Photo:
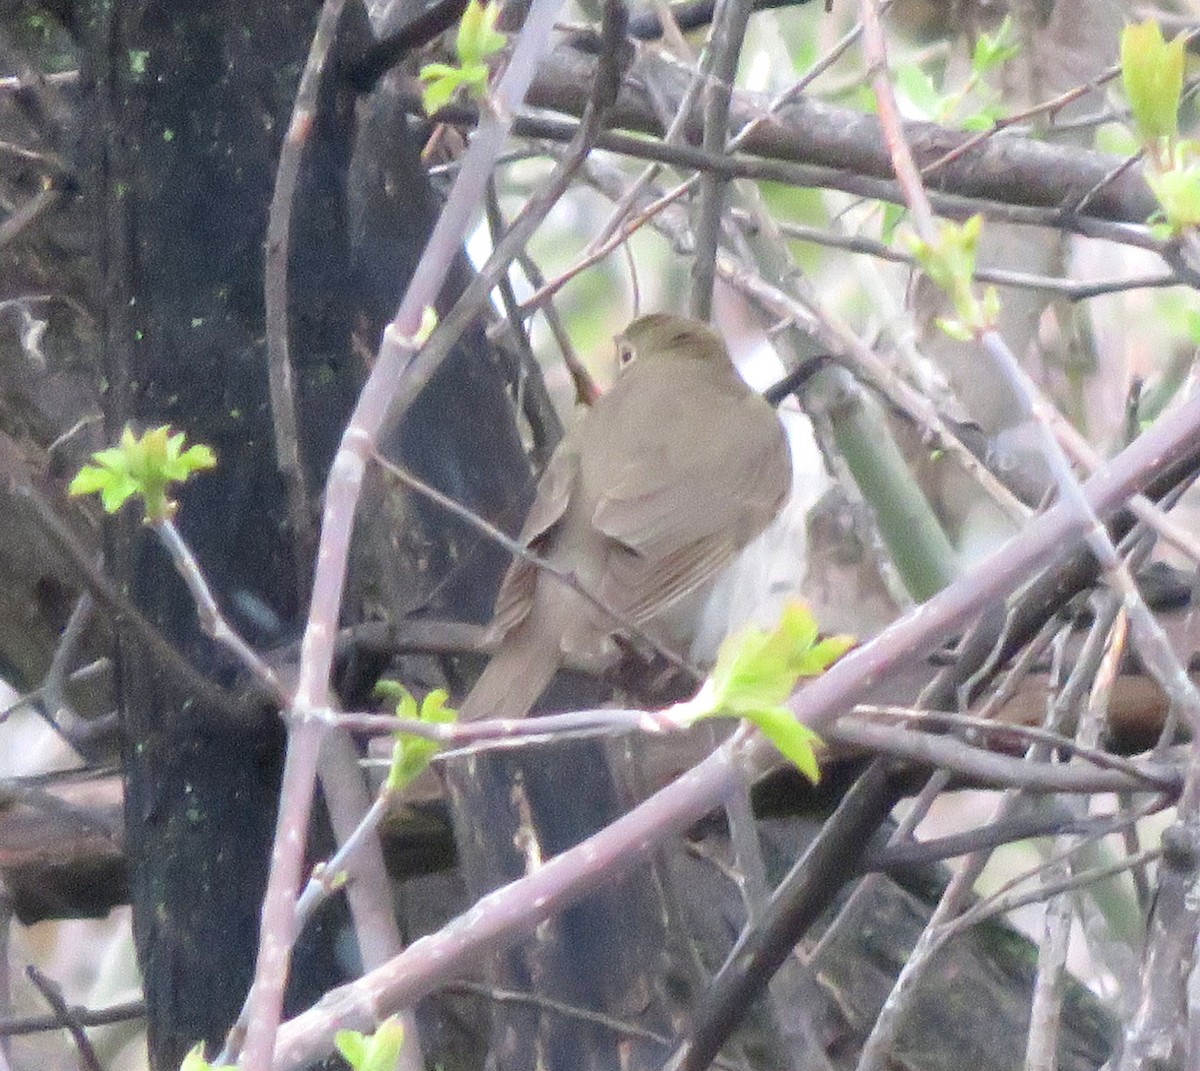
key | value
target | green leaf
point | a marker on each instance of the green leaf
(984, 119)
(893, 216)
(372, 1052)
(1161, 231)
(794, 740)
(432, 71)
(477, 39)
(442, 83)
(757, 670)
(955, 329)
(990, 308)
(950, 264)
(429, 321)
(477, 35)
(1152, 71)
(352, 1044)
(918, 87)
(146, 467)
(1178, 193)
(411, 754)
(993, 49)
(1116, 139)
(194, 1060)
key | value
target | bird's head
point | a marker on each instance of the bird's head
(663, 335)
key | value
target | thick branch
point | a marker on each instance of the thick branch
(1010, 168)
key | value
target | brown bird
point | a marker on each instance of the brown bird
(646, 499)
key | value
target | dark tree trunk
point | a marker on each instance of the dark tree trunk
(193, 98)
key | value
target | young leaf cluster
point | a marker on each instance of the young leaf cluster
(477, 39)
(950, 264)
(372, 1052)
(1152, 71)
(412, 754)
(991, 50)
(144, 466)
(756, 672)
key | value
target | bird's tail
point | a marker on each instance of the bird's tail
(514, 679)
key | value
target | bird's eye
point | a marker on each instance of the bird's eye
(625, 354)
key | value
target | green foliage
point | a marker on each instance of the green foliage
(412, 754)
(476, 41)
(429, 321)
(372, 1052)
(917, 85)
(1115, 138)
(478, 37)
(893, 216)
(195, 1061)
(145, 466)
(1176, 318)
(950, 264)
(991, 50)
(1152, 71)
(994, 49)
(1178, 193)
(756, 672)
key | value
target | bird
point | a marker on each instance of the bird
(646, 499)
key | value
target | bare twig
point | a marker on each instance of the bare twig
(281, 377)
(125, 616)
(1002, 905)
(1001, 771)
(212, 621)
(519, 550)
(987, 727)
(52, 994)
(1070, 289)
(571, 1011)
(719, 67)
(17, 1026)
(28, 214)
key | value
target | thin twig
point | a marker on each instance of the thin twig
(52, 994)
(519, 550)
(280, 375)
(570, 1011)
(1070, 289)
(586, 391)
(1002, 903)
(212, 621)
(125, 616)
(988, 727)
(28, 214)
(719, 67)
(1008, 829)
(1001, 771)
(16, 1026)
(859, 183)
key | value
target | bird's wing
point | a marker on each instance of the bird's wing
(677, 517)
(674, 494)
(644, 588)
(553, 494)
